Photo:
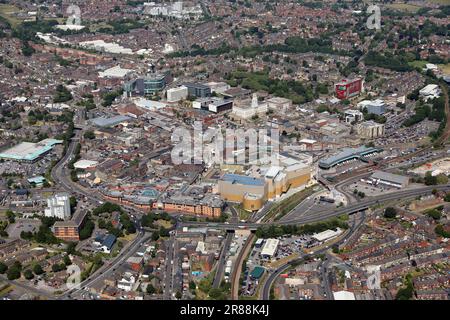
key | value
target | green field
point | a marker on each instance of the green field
(441, 2)
(7, 11)
(445, 68)
(418, 64)
(404, 7)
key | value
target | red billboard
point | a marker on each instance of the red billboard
(348, 88)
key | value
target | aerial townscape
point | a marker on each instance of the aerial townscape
(224, 150)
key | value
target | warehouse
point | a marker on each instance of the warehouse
(327, 235)
(109, 122)
(270, 248)
(28, 151)
(389, 179)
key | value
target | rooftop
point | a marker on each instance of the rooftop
(109, 122)
(390, 177)
(29, 151)
(239, 179)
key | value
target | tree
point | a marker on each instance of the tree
(390, 213)
(28, 274)
(71, 248)
(155, 236)
(405, 293)
(89, 135)
(11, 217)
(67, 260)
(192, 285)
(150, 289)
(433, 213)
(429, 179)
(58, 267)
(87, 229)
(215, 294)
(73, 203)
(447, 197)
(37, 269)
(13, 272)
(62, 94)
(3, 268)
(440, 231)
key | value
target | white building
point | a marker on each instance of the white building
(377, 106)
(248, 111)
(270, 248)
(177, 94)
(85, 164)
(58, 206)
(115, 72)
(353, 116)
(218, 87)
(344, 295)
(127, 282)
(370, 129)
(431, 91)
(100, 45)
(327, 235)
(279, 104)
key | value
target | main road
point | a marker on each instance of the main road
(329, 213)
(60, 177)
(274, 275)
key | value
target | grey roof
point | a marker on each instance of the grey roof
(109, 122)
(346, 154)
(386, 176)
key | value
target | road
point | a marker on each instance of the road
(168, 280)
(221, 263)
(329, 213)
(237, 269)
(108, 268)
(27, 288)
(274, 275)
(60, 177)
(225, 249)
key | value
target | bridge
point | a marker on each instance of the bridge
(324, 215)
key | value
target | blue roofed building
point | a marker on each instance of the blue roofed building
(37, 181)
(29, 151)
(108, 243)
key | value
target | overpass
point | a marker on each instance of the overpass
(326, 214)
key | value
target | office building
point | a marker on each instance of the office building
(215, 105)
(349, 88)
(58, 206)
(70, 230)
(151, 84)
(198, 90)
(248, 109)
(370, 129)
(177, 94)
(353, 116)
(377, 107)
(279, 104)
